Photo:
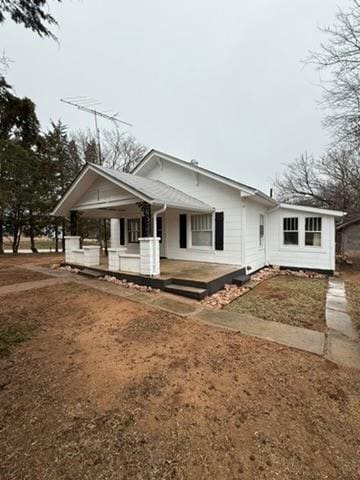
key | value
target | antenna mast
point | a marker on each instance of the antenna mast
(87, 105)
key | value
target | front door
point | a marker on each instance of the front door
(160, 233)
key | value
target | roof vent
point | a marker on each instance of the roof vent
(194, 162)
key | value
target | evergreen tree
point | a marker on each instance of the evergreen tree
(32, 14)
(64, 163)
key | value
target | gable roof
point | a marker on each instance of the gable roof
(151, 191)
(156, 191)
(204, 171)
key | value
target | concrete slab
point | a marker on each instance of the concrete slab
(300, 338)
(105, 287)
(336, 292)
(336, 282)
(343, 351)
(23, 287)
(46, 270)
(341, 322)
(336, 303)
(175, 306)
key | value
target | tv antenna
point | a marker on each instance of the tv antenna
(88, 105)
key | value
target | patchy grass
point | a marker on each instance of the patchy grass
(351, 275)
(286, 299)
(11, 336)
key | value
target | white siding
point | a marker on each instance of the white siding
(221, 197)
(103, 190)
(301, 256)
(255, 255)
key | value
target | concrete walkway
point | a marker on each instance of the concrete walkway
(22, 287)
(295, 337)
(342, 343)
(339, 344)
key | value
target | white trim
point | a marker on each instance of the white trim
(320, 211)
(190, 166)
(107, 177)
(122, 185)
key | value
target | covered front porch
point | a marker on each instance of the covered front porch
(149, 222)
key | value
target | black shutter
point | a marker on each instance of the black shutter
(122, 231)
(219, 231)
(159, 228)
(183, 230)
(143, 233)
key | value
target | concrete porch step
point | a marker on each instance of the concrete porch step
(186, 291)
(240, 280)
(90, 273)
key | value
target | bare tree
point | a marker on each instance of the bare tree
(332, 181)
(118, 150)
(339, 60)
(121, 150)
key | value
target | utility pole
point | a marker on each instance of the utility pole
(86, 104)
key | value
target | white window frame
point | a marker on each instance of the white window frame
(289, 245)
(211, 230)
(313, 231)
(261, 231)
(133, 219)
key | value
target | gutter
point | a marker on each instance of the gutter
(155, 215)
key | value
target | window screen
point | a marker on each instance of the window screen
(291, 230)
(201, 230)
(313, 231)
(133, 225)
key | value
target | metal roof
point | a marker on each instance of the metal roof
(156, 192)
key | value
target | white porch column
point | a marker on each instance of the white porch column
(114, 258)
(91, 256)
(150, 255)
(71, 244)
(115, 232)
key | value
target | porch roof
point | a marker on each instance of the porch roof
(152, 191)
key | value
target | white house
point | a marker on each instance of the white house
(196, 215)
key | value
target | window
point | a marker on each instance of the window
(313, 231)
(133, 225)
(201, 230)
(291, 230)
(261, 230)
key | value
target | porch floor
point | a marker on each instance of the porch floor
(182, 277)
(186, 270)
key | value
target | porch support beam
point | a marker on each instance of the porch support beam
(145, 208)
(115, 232)
(74, 222)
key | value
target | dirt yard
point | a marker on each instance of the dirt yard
(103, 388)
(286, 299)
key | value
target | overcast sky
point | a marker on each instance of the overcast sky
(219, 81)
